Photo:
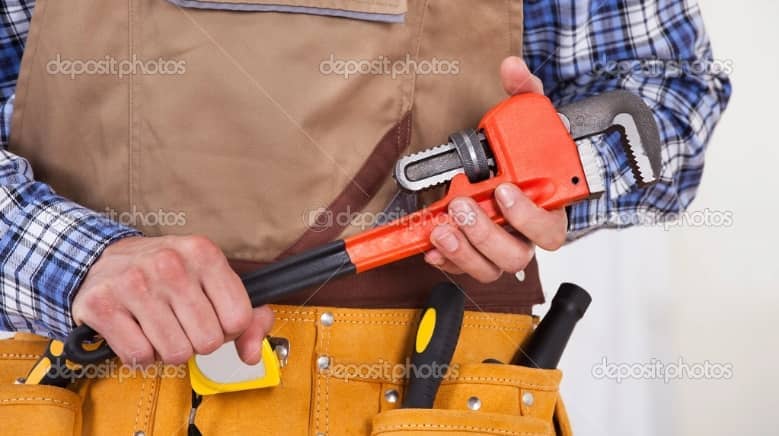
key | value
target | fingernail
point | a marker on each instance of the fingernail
(506, 196)
(462, 212)
(256, 353)
(445, 239)
(434, 258)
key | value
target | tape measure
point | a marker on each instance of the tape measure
(224, 371)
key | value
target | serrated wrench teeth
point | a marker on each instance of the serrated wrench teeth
(635, 151)
(412, 172)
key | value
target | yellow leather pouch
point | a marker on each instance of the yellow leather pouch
(29, 409)
(345, 376)
(485, 399)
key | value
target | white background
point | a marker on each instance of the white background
(696, 293)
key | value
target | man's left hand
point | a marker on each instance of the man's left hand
(478, 247)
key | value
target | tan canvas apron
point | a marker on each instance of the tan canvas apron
(248, 127)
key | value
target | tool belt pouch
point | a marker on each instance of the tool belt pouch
(474, 398)
(490, 399)
(33, 409)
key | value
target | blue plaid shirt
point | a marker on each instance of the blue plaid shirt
(656, 49)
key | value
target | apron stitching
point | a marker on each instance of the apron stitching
(416, 53)
(508, 22)
(32, 46)
(130, 112)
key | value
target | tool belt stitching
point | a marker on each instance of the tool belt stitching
(406, 323)
(295, 319)
(140, 403)
(324, 343)
(52, 400)
(293, 312)
(19, 356)
(381, 428)
(521, 383)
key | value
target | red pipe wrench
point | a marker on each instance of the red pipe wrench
(524, 140)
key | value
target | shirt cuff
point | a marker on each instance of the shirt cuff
(47, 249)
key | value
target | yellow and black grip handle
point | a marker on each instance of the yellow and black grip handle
(52, 368)
(436, 339)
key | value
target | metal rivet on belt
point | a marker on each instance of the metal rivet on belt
(327, 319)
(528, 399)
(139, 433)
(391, 395)
(323, 362)
(321, 433)
(520, 275)
(474, 403)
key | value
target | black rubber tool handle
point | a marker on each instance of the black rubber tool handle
(266, 285)
(545, 346)
(436, 338)
(286, 277)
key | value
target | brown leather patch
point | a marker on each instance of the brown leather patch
(362, 188)
(407, 283)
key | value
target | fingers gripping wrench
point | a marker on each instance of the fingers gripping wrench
(524, 140)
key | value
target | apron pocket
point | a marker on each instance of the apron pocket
(388, 11)
(409, 422)
(39, 410)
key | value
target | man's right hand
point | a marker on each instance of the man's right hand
(167, 298)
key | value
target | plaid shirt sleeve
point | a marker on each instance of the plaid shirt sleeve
(47, 243)
(657, 50)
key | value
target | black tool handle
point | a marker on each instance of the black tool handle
(310, 268)
(436, 339)
(545, 346)
(266, 285)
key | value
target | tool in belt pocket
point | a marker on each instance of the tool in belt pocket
(224, 371)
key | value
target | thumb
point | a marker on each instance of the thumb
(517, 78)
(249, 344)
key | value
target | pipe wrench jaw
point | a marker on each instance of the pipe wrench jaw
(627, 114)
